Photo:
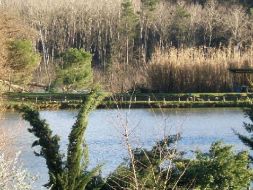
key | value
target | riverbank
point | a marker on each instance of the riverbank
(55, 101)
(115, 105)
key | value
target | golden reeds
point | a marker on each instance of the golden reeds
(195, 69)
(180, 70)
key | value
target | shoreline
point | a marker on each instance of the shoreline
(61, 101)
(133, 105)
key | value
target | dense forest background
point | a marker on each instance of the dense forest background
(142, 45)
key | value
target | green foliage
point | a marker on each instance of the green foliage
(163, 167)
(76, 71)
(129, 19)
(251, 11)
(77, 157)
(248, 140)
(151, 165)
(150, 4)
(50, 146)
(72, 174)
(219, 169)
(179, 27)
(23, 60)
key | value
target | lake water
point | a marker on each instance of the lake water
(199, 128)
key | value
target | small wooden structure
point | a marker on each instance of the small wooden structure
(241, 79)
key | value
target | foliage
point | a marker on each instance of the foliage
(219, 169)
(13, 176)
(72, 174)
(124, 31)
(150, 4)
(76, 72)
(23, 60)
(129, 18)
(180, 27)
(12, 28)
(154, 167)
(163, 167)
(248, 139)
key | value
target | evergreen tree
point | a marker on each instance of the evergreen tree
(129, 21)
(179, 28)
(75, 72)
(22, 60)
(148, 164)
(248, 140)
(219, 169)
(149, 33)
(72, 174)
(163, 167)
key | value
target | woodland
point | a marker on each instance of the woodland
(138, 45)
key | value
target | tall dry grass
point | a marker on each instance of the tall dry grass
(118, 78)
(196, 69)
(181, 70)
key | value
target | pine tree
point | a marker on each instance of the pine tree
(129, 21)
(22, 60)
(72, 174)
(75, 72)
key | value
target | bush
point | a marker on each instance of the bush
(220, 169)
(13, 176)
(76, 72)
(23, 60)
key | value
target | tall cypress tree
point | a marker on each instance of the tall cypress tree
(72, 174)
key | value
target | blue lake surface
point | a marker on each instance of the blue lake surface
(104, 135)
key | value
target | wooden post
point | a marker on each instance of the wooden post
(122, 99)
(135, 99)
(164, 100)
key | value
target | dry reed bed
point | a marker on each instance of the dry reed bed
(196, 69)
(179, 70)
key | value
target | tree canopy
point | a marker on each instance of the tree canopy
(75, 72)
(23, 60)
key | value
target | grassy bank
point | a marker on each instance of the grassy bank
(162, 100)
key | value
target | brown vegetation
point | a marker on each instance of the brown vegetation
(124, 38)
(11, 28)
(180, 70)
